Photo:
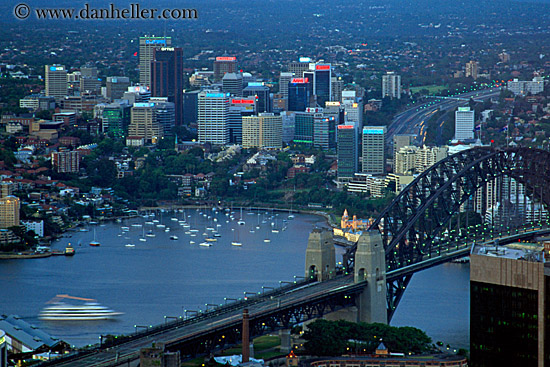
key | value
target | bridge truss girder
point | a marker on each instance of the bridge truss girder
(412, 224)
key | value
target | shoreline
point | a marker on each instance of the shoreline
(22, 255)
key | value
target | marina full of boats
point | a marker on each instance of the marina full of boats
(208, 223)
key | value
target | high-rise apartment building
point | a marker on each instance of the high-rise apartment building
(373, 158)
(223, 65)
(353, 107)
(116, 86)
(238, 108)
(147, 46)
(9, 211)
(284, 79)
(6, 189)
(471, 70)
(167, 78)
(66, 161)
(464, 124)
(213, 109)
(509, 305)
(348, 150)
(264, 131)
(56, 81)
(337, 86)
(391, 85)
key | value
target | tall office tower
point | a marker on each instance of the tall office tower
(116, 86)
(509, 305)
(464, 124)
(147, 46)
(232, 83)
(297, 68)
(374, 138)
(400, 141)
(264, 131)
(322, 82)
(116, 118)
(56, 81)
(143, 124)
(471, 70)
(9, 211)
(167, 78)
(284, 79)
(223, 65)
(337, 86)
(300, 93)
(348, 150)
(137, 94)
(90, 85)
(303, 128)
(66, 161)
(262, 95)
(336, 110)
(190, 107)
(239, 107)
(391, 85)
(213, 108)
(324, 132)
(88, 72)
(164, 114)
(289, 125)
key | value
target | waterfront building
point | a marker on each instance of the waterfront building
(373, 158)
(9, 211)
(509, 305)
(464, 124)
(147, 46)
(391, 85)
(56, 81)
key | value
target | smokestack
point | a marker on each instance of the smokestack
(246, 337)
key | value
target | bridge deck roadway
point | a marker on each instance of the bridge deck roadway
(233, 318)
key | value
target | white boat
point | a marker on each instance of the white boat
(234, 243)
(174, 237)
(90, 310)
(191, 242)
(193, 230)
(125, 228)
(143, 239)
(209, 228)
(161, 226)
(156, 221)
(274, 231)
(216, 234)
(136, 225)
(150, 234)
(174, 219)
(187, 232)
(241, 222)
(267, 240)
(149, 223)
(130, 245)
(205, 244)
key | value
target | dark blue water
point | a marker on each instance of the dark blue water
(161, 277)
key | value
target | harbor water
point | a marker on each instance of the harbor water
(148, 280)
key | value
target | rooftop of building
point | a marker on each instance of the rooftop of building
(516, 251)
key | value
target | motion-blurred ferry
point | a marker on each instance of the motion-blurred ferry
(90, 310)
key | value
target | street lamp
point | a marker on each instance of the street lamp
(231, 299)
(170, 317)
(264, 287)
(211, 305)
(298, 277)
(245, 293)
(142, 326)
(281, 282)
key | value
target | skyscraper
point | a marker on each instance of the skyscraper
(299, 94)
(348, 150)
(116, 86)
(164, 114)
(373, 159)
(284, 79)
(322, 83)
(116, 119)
(9, 211)
(232, 83)
(353, 107)
(143, 123)
(264, 131)
(56, 81)
(238, 108)
(303, 130)
(464, 124)
(262, 95)
(213, 109)
(167, 77)
(147, 45)
(297, 68)
(223, 65)
(66, 161)
(324, 132)
(391, 85)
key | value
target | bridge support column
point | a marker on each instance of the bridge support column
(370, 265)
(320, 255)
(286, 344)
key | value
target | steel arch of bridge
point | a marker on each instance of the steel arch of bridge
(412, 224)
